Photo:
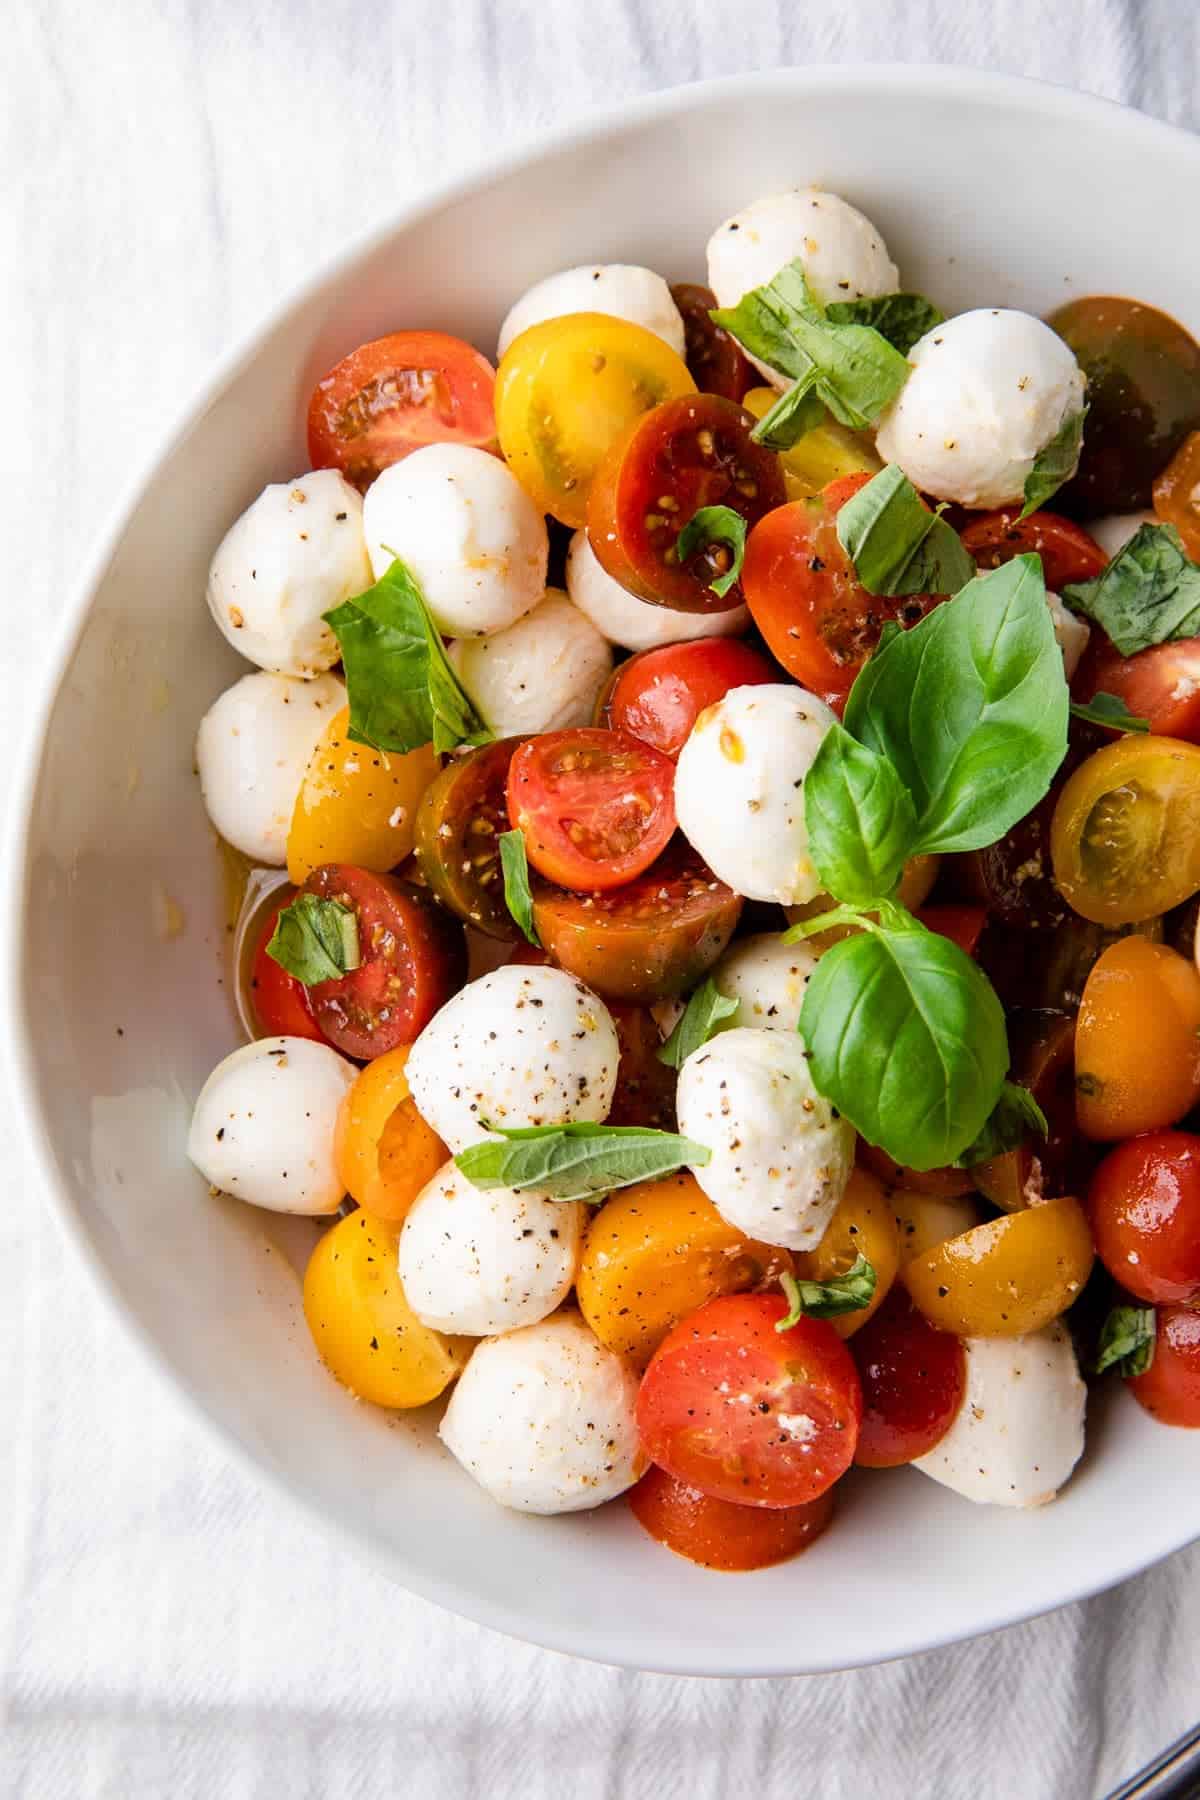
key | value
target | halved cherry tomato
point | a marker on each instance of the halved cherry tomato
(721, 1534)
(384, 1150)
(651, 939)
(279, 1003)
(804, 596)
(690, 452)
(356, 804)
(1144, 1205)
(1177, 494)
(459, 823)
(963, 925)
(566, 390)
(863, 1224)
(714, 359)
(1161, 685)
(1067, 552)
(596, 807)
(747, 1413)
(413, 958)
(1008, 1277)
(1137, 1042)
(1170, 1387)
(658, 695)
(829, 452)
(1042, 1045)
(645, 1091)
(389, 397)
(1125, 839)
(913, 1380)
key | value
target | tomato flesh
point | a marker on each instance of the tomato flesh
(1144, 1206)
(1170, 1387)
(1067, 552)
(1160, 685)
(596, 807)
(1177, 494)
(459, 824)
(963, 925)
(658, 695)
(278, 1002)
(720, 1534)
(913, 1380)
(714, 358)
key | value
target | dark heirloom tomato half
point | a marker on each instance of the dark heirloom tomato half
(459, 823)
(389, 397)
(1042, 1046)
(649, 940)
(714, 359)
(1170, 1388)
(596, 807)
(963, 925)
(645, 1091)
(689, 452)
(805, 598)
(1161, 685)
(658, 695)
(913, 1380)
(278, 1002)
(720, 1534)
(414, 957)
(1177, 494)
(1144, 1206)
(1067, 552)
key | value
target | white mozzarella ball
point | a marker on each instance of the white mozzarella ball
(622, 290)
(545, 1418)
(988, 391)
(739, 789)
(478, 1261)
(263, 1125)
(844, 256)
(1071, 631)
(767, 978)
(294, 555)
(542, 674)
(521, 1046)
(781, 1154)
(1019, 1431)
(252, 750)
(1114, 531)
(636, 624)
(467, 529)
(927, 1220)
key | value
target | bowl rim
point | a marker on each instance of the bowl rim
(927, 79)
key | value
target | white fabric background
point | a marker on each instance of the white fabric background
(169, 168)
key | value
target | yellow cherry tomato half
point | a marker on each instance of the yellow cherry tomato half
(655, 1252)
(566, 389)
(1137, 1041)
(822, 455)
(1010, 1276)
(864, 1224)
(356, 804)
(384, 1150)
(1125, 837)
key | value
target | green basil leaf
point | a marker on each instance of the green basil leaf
(315, 940)
(402, 690)
(971, 708)
(518, 898)
(797, 411)
(902, 319)
(826, 1299)
(1054, 464)
(897, 545)
(715, 525)
(1110, 710)
(906, 1036)
(860, 819)
(1127, 1341)
(1015, 1114)
(578, 1161)
(1149, 593)
(702, 1018)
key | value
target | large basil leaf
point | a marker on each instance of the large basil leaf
(861, 822)
(1149, 594)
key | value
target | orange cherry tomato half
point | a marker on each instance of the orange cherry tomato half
(279, 1003)
(721, 1534)
(391, 396)
(658, 695)
(1160, 685)
(963, 925)
(1170, 1387)
(1007, 1277)
(1067, 552)
(1137, 1041)
(1144, 1205)
(384, 1150)
(693, 451)
(747, 1413)
(913, 1380)
(714, 359)
(596, 807)
(1177, 494)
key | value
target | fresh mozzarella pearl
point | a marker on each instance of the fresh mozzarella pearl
(927, 1220)
(636, 624)
(767, 978)
(1019, 1431)
(252, 750)
(1071, 631)
(544, 1418)
(619, 289)
(988, 391)
(542, 674)
(739, 789)
(521, 1046)
(295, 554)
(844, 256)
(264, 1122)
(467, 529)
(781, 1155)
(1114, 531)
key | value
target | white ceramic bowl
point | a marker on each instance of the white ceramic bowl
(988, 190)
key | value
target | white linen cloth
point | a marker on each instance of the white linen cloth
(170, 168)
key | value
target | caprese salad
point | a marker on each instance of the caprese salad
(721, 792)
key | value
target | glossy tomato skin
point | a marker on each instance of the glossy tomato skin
(963, 925)
(1137, 1042)
(1144, 1207)
(458, 828)
(596, 807)
(1177, 494)
(714, 358)
(1170, 1387)
(658, 695)
(690, 452)
(1125, 836)
(913, 1380)
(391, 396)
(414, 957)
(747, 1413)
(279, 1002)
(1067, 552)
(1161, 685)
(720, 1534)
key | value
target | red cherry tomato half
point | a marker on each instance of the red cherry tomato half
(279, 1003)
(803, 594)
(719, 1534)
(1161, 684)
(749, 1414)
(963, 925)
(390, 397)
(714, 359)
(1144, 1205)
(1170, 1388)
(1067, 552)
(658, 695)
(414, 957)
(913, 1380)
(693, 451)
(596, 807)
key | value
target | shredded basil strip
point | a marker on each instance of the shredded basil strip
(903, 319)
(827, 1299)
(722, 526)
(1149, 593)
(1127, 1341)
(1055, 463)
(1109, 710)
(1015, 1114)
(517, 894)
(315, 940)
(897, 545)
(705, 1014)
(577, 1161)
